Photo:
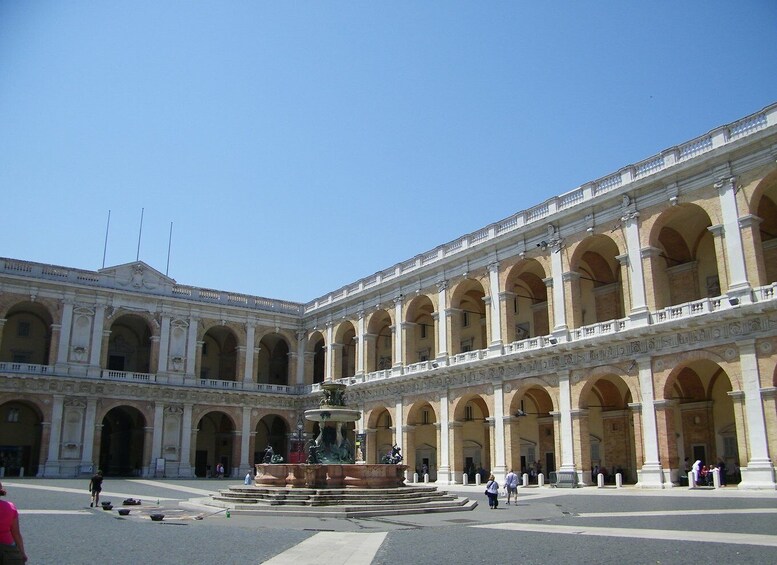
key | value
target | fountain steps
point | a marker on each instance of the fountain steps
(344, 503)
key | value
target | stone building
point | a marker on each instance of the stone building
(625, 325)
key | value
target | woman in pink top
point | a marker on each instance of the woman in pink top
(11, 542)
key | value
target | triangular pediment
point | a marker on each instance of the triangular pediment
(137, 275)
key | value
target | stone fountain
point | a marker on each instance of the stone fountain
(331, 462)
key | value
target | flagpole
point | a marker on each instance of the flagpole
(169, 244)
(105, 247)
(140, 232)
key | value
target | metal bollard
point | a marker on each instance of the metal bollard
(716, 477)
(465, 479)
(477, 478)
(426, 477)
(618, 480)
(540, 480)
(525, 480)
(415, 477)
(692, 480)
(600, 480)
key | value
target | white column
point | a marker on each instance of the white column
(329, 361)
(301, 341)
(759, 473)
(245, 440)
(97, 335)
(164, 344)
(738, 283)
(52, 463)
(399, 425)
(398, 333)
(557, 273)
(651, 474)
(191, 348)
(496, 316)
(442, 321)
(89, 420)
(185, 467)
(360, 343)
(639, 311)
(444, 471)
(248, 373)
(565, 422)
(64, 332)
(500, 467)
(156, 437)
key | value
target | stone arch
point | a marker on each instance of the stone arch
(683, 265)
(530, 432)
(468, 322)
(380, 421)
(421, 445)
(21, 435)
(218, 353)
(380, 344)
(526, 306)
(122, 439)
(26, 334)
(596, 290)
(129, 344)
(605, 426)
(216, 442)
(272, 359)
(420, 338)
(700, 414)
(345, 349)
(763, 205)
(274, 430)
(472, 438)
(315, 360)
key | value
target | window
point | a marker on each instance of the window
(425, 416)
(465, 319)
(468, 413)
(13, 415)
(423, 331)
(23, 329)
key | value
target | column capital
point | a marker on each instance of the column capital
(441, 285)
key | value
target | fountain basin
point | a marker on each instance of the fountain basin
(330, 475)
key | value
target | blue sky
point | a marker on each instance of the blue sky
(300, 146)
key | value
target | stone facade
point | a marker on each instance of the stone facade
(625, 325)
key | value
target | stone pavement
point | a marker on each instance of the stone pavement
(546, 526)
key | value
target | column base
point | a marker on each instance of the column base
(758, 476)
(495, 347)
(444, 476)
(650, 476)
(185, 472)
(639, 317)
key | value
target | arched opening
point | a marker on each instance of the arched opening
(419, 333)
(318, 347)
(469, 325)
(531, 434)
(273, 360)
(273, 431)
(219, 354)
(129, 346)
(767, 229)
(121, 442)
(685, 266)
(526, 306)
(20, 438)
(423, 458)
(381, 351)
(471, 439)
(610, 440)
(26, 335)
(596, 292)
(704, 418)
(215, 444)
(345, 350)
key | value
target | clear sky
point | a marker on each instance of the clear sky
(299, 146)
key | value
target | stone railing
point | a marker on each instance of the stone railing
(666, 159)
(181, 292)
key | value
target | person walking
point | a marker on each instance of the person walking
(492, 491)
(96, 487)
(11, 541)
(511, 486)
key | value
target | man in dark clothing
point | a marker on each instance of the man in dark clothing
(95, 487)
